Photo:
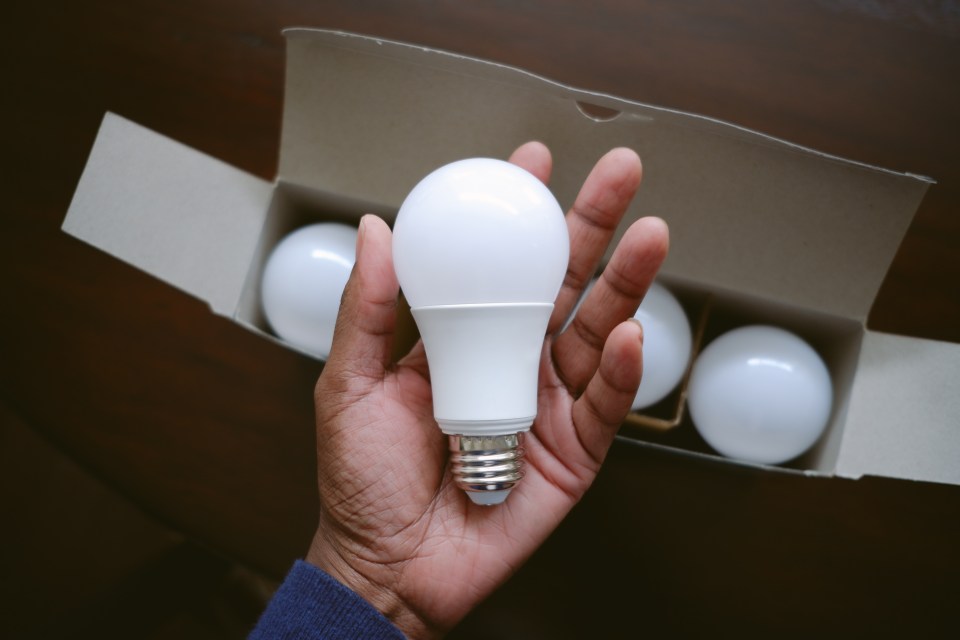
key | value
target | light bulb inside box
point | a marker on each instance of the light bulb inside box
(480, 248)
(760, 394)
(303, 281)
(667, 343)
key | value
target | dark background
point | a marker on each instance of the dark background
(157, 461)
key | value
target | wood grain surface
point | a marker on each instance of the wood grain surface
(210, 428)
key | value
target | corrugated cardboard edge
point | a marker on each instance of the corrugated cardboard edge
(904, 415)
(178, 214)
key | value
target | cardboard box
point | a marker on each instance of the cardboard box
(768, 230)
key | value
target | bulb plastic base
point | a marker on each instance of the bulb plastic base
(484, 364)
(487, 467)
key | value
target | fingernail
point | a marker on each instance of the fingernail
(639, 324)
(361, 231)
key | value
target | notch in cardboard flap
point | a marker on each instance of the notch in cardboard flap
(904, 415)
(178, 214)
(368, 118)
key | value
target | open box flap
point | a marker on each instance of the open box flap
(904, 415)
(174, 212)
(746, 211)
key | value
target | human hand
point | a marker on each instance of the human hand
(393, 525)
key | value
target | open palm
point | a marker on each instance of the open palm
(394, 527)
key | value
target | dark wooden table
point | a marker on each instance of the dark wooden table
(210, 428)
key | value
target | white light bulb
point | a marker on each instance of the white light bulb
(480, 248)
(760, 394)
(667, 342)
(303, 282)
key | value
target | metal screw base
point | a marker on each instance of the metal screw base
(487, 463)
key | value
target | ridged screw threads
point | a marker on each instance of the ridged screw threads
(487, 463)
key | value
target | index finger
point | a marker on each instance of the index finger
(534, 156)
(592, 221)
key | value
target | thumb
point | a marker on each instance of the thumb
(367, 319)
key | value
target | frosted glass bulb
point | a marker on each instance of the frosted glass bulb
(480, 248)
(760, 394)
(667, 342)
(303, 282)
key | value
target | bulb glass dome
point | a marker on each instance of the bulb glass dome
(303, 282)
(667, 343)
(760, 394)
(480, 231)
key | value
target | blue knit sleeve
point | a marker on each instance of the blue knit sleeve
(310, 605)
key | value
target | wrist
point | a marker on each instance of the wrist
(350, 571)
